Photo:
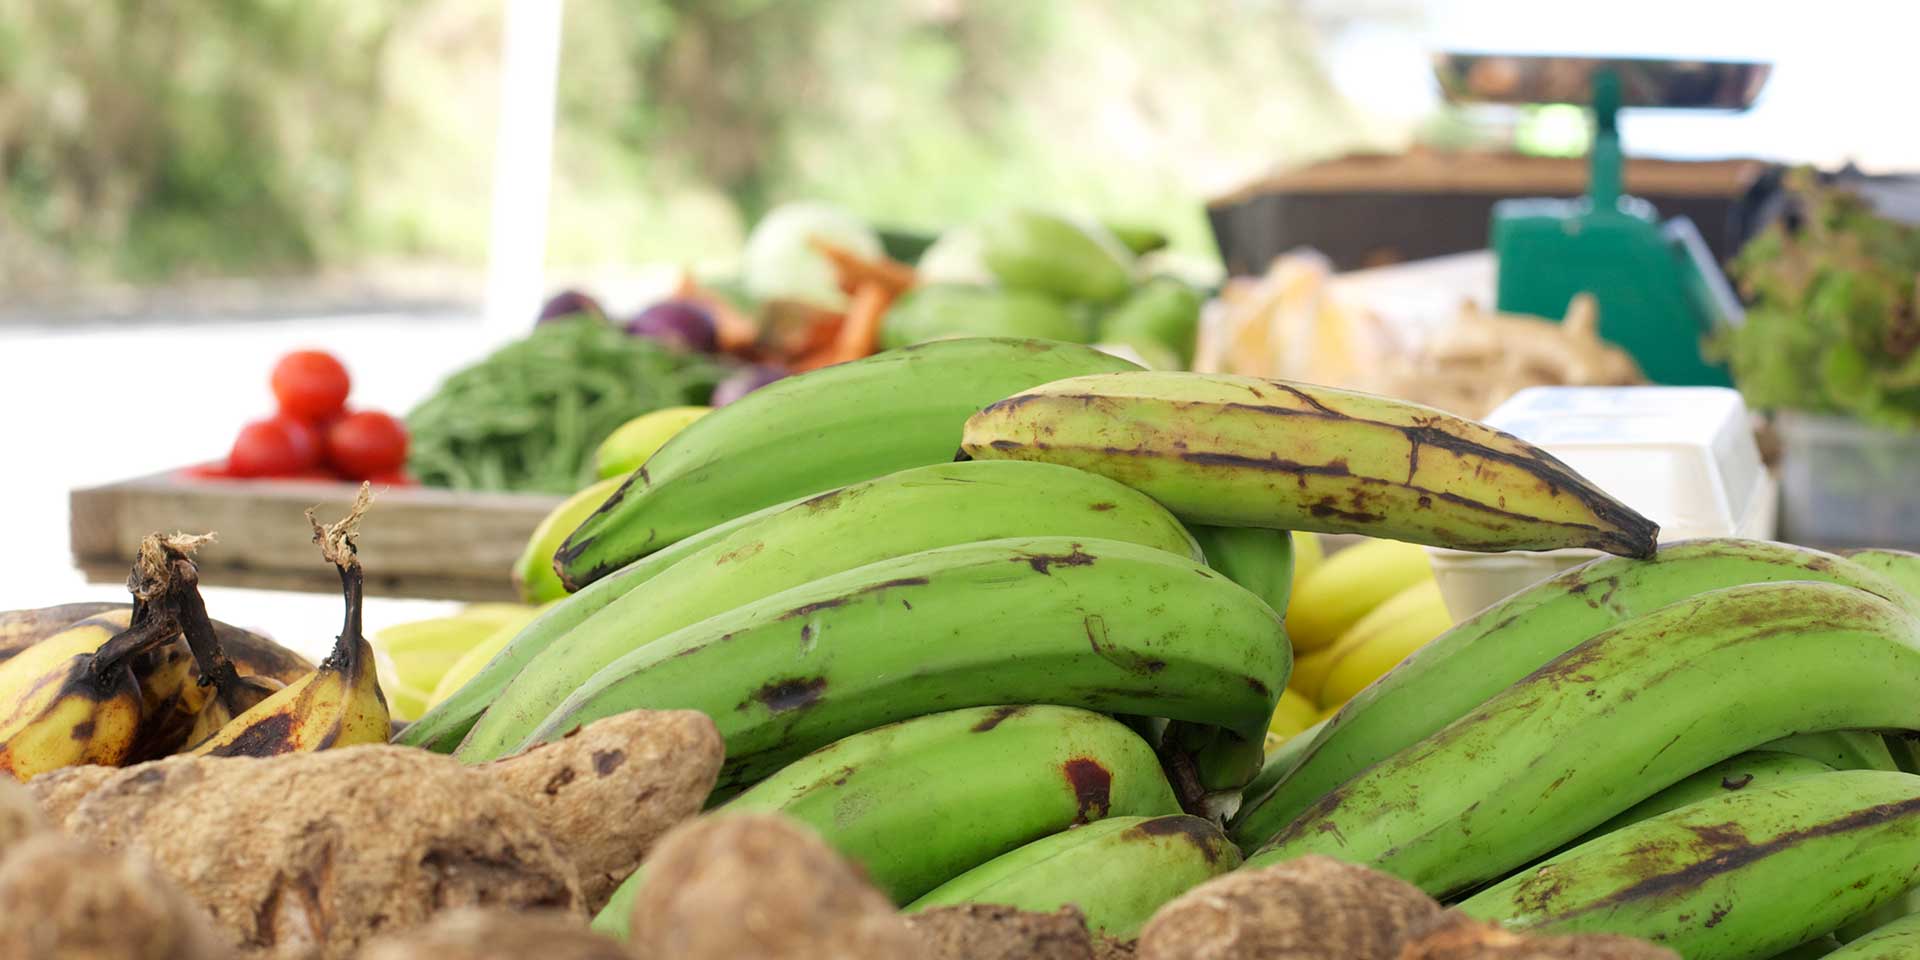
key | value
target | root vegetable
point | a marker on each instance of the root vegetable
(62, 898)
(1458, 937)
(57, 792)
(474, 934)
(1313, 908)
(20, 817)
(978, 931)
(761, 886)
(1107, 948)
(310, 855)
(607, 792)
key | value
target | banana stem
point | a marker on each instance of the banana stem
(183, 598)
(345, 657)
(1183, 775)
(143, 633)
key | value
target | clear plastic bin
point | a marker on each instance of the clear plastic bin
(1683, 456)
(1846, 484)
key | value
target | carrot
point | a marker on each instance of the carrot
(853, 271)
(859, 333)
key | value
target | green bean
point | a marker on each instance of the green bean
(529, 416)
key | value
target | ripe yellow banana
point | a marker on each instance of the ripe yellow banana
(1383, 638)
(414, 657)
(1241, 451)
(72, 698)
(1295, 713)
(1308, 554)
(340, 703)
(1347, 586)
(20, 629)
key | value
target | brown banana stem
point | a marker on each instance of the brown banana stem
(183, 597)
(140, 636)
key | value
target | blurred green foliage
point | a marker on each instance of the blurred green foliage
(143, 139)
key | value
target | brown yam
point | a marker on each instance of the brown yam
(20, 817)
(979, 931)
(1313, 908)
(1456, 936)
(609, 790)
(59, 791)
(310, 855)
(475, 934)
(756, 885)
(60, 898)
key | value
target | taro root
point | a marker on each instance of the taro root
(310, 855)
(475, 934)
(59, 791)
(1312, 908)
(62, 898)
(1456, 936)
(1107, 948)
(981, 931)
(763, 886)
(608, 790)
(20, 817)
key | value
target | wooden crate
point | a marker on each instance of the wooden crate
(416, 542)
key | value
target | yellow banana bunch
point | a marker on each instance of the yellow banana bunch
(412, 658)
(1382, 638)
(73, 698)
(1347, 585)
(338, 704)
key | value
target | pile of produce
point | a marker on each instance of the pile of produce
(1834, 325)
(313, 435)
(972, 649)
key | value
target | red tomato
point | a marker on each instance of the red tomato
(306, 437)
(310, 384)
(266, 448)
(366, 444)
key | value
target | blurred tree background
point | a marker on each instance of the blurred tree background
(150, 141)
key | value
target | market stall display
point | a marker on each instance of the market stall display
(1048, 678)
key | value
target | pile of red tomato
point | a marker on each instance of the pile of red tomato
(314, 436)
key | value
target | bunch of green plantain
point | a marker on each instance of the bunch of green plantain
(1709, 749)
(949, 605)
(117, 684)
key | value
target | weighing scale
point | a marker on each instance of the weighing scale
(1659, 289)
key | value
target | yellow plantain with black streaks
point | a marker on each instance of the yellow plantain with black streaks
(73, 698)
(339, 703)
(1245, 452)
(20, 629)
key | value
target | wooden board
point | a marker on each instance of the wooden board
(416, 542)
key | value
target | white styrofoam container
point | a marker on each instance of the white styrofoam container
(1683, 456)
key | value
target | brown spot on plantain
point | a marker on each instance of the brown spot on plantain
(740, 553)
(1092, 786)
(267, 737)
(995, 718)
(1043, 563)
(1204, 836)
(780, 696)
